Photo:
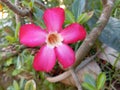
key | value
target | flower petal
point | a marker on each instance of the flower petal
(45, 59)
(73, 33)
(65, 55)
(32, 35)
(54, 18)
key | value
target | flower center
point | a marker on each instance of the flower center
(54, 39)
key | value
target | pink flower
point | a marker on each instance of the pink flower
(53, 40)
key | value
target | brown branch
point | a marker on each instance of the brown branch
(40, 4)
(8, 53)
(14, 8)
(17, 17)
(94, 34)
(104, 2)
(75, 77)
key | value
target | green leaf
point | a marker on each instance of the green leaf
(69, 17)
(19, 63)
(38, 13)
(88, 86)
(30, 85)
(15, 85)
(9, 62)
(31, 4)
(89, 79)
(78, 7)
(111, 34)
(101, 80)
(10, 39)
(22, 83)
(8, 30)
(16, 72)
(17, 30)
(10, 88)
(81, 18)
(84, 17)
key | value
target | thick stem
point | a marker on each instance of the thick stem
(14, 8)
(75, 77)
(94, 34)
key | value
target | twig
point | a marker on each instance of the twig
(83, 64)
(75, 77)
(104, 2)
(17, 17)
(14, 8)
(4, 56)
(86, 61)
(94, 34)
(68, 73)
(40, 4)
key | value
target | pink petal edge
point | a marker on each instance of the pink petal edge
(54, 18)
(65, 55)
(73, 33)
(32, 35)
(45, 59)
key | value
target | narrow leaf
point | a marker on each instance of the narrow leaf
(78, 7)
(69, 17)
(17, 30)
(31, 4)
(10, 39)
(89, 79)
(30, 85)
(84, 17)
(101, 80)
(15, 85)
(88, 86)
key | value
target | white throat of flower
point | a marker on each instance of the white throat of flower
(54, 39)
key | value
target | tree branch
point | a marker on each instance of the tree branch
(94, 34)
(17, 17)
(104, 2)
(75, 77)
(11, 52)
(14, 8)
(40, 4)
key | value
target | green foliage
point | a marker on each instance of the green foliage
(110, 34)
(76, 14)
(38, 13)
(69, 17)
(78, 7)
(90, 84)
(15, 85)
(30, 85)
(23, 85)
(31, 4)
(101, 81)
(116, 9)
(17, 31)
(83, 18)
